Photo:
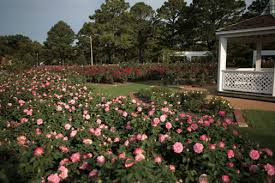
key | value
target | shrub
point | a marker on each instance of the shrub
(53, 129)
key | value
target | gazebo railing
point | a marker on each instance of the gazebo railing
(260, 82)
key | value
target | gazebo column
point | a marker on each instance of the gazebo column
(259, 55)
(222, 61)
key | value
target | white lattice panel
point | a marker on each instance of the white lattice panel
(248, 81)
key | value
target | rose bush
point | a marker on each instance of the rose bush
(54, 130)
(188, 73)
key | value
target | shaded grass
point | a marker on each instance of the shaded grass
(125, 89)
(261, 127)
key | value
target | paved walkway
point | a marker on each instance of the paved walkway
(237, 103)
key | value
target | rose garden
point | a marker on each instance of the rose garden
(54, 128)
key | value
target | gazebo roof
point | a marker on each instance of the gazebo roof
(252, 23)
(260, 25)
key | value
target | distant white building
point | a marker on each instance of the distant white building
(190, 54)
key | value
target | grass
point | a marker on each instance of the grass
(125, 89)
(261, 127)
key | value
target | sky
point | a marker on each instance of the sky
(34, 18)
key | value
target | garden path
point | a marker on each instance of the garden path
(237, 103)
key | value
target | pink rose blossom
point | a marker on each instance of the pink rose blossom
(93, 173)
(212, 146)
(139, 157)
(254, 154)
(87, 141)
(221, 144)
(270, 169)
(67, 126)
(39, 121)
(222, 113)
(53, 178)
(178, 147)
(138, 151)
(179, 130)
(158, 159)
(125, 114)
(100, 160)
(75, 157)
(168, 125)
(225, 178)
(268, 151)
(64, 162)
(155, 122)
(163, 117)
(64, 172)
(122, 155)
(97, 132)
(73, 133)
(172, 168)
(129, 163)
(230, 154)
(198, 148)
(87, 155)
(38, 131)
(85, 165)
(203, 138)
(64, 149)
(21, 140)
(38, 151)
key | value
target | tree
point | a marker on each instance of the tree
(59, 42)
(256, 8)
(111, 30)
(169, 15)
(211, 15)
(142, 28)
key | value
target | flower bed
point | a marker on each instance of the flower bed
(54, 130)
(191, 73)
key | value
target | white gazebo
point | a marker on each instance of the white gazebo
(255, 81)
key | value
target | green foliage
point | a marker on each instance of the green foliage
(59, 42)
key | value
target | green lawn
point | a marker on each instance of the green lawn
(118, 89)
(261, 127)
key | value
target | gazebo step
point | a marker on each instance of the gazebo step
(246, 95)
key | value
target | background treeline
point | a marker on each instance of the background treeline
(133, 34)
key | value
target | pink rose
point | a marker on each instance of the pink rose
(64, 149)
(230, 154)
(53, 178)
(198, 148)
(38, 151)
(155, 122)
(162, 137)
(268, 151)
(270, 169)
(85, 165)
(39, 121)
(168, 125)
(87, 141)
(129, 163)
(222, 113)
(254, 154)
(179, 130)
(139, 157)
(97, 132)
(64, 172)
(100, 160)
(122, 155)
(221, 144)
(67, 126)
(163, 118)
(64, 162)
(93, 173)
(21, 140)
(172, 168)
(158, 159)
(178, 147)
(73, 133)
(75, 157)
(225, 178)
(203, 138)
(38, 131)
(138, 151)
(125, 114)
(212, 146)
